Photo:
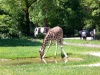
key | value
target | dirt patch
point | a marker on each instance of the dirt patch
(86, 65)
(34, 61)
(93, 53)
(1, 60)
(59, 60)
(86, 45)
(75, 59)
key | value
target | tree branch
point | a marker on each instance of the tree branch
(32, 3)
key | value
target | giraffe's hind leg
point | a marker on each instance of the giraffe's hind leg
(56, 52)
(66, 56)
(56, 49)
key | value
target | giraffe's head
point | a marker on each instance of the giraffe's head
(41, 53)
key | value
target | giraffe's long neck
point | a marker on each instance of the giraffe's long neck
(44, 44)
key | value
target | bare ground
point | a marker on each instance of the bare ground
(90, 53)
(87, 45)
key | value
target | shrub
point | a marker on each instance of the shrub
(40, 36)
(97, 36)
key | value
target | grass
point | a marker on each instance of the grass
(15, 48)
(48, 69)
(82, 41)
(18, 48)
(25, 48)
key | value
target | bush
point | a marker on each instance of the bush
(40, 36)
(97, 36)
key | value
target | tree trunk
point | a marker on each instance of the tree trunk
(45, 22)
(28, 4)
(36, 24)
(27, 22)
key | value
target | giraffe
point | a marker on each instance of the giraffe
(56, 34)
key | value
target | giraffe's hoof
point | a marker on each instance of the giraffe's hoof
(66, 61)
(56, 61)
(44, 61)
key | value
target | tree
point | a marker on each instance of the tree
(68, 14)
(21, 9)
(92, 10)
(28, 4)
(64, 13)
(5, 21)
(42, 11)
(71, 15)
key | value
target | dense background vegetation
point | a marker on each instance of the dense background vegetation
(20, 17)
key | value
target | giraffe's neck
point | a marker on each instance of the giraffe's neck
(44, 44)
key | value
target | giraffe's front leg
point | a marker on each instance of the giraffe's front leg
(44, 61)
(42, 56)
(46, 52)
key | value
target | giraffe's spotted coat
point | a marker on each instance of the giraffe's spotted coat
(55, 33)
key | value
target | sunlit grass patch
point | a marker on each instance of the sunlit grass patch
(82, 41)
(48, 69)
(23, 59)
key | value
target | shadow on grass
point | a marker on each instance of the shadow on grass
(18, 42)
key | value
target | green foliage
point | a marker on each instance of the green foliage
(40, 36)
(97, 36)
(92, 8)
(42, 9)
(71, 15)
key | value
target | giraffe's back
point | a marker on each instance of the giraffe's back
(55, 33)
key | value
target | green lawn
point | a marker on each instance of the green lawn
(48, 69)
(83, 41)
(16, 50)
